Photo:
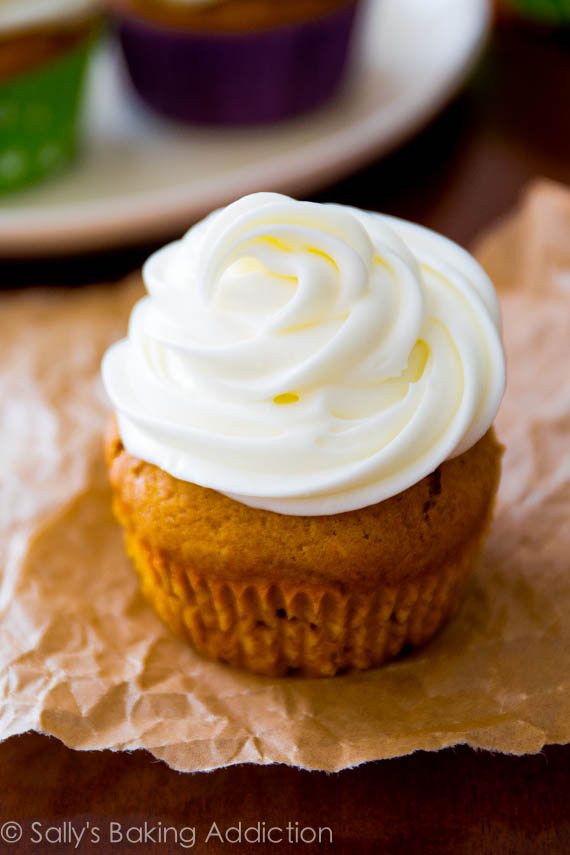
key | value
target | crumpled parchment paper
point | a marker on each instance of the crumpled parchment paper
(82, 657)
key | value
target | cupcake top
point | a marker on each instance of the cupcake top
(307, 359)
(23, 14)
(195, 2)
(230, 16)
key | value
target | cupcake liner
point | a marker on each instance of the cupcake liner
(249, 78)
(39, 113)
(550, 11)
(316, 631)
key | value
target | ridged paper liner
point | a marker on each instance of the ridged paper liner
(550, 11)
(237, 78)
(276, 629)
(39, 113)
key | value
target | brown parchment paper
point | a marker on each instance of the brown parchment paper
(83, 657)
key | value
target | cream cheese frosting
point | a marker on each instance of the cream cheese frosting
(21, 14)
(307, 359)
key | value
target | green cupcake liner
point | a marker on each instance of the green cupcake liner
(550, 11)
(39, 112)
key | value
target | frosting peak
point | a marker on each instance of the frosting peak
(307, 359)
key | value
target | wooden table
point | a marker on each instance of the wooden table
(510, 125)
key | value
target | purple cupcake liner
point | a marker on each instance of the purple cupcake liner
(238, 79)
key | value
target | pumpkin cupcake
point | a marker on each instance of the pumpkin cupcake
(44, 48)
(235, 61)
(303, 456)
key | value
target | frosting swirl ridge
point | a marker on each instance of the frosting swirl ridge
(307, 359)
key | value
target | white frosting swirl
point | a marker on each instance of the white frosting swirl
(21, 14)
(307, 359)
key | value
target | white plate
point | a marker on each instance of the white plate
(141, 178)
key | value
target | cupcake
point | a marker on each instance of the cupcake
(548, 11)
(235, 61)
(303, 456)
(44, 48)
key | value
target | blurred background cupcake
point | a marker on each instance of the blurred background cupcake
(549, 11)
(44, 48)
(235, 61)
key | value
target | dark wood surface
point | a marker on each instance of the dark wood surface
(511, 124)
